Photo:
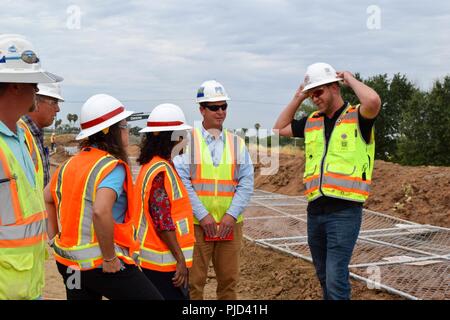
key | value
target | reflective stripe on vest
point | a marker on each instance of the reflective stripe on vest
(86, 255)
(344, 169)
(18, 232)
(164, 258)
(8, 211)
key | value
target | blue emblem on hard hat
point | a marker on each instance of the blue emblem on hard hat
(12, 49)
(219, 90)
(3, 59)
(200, 92)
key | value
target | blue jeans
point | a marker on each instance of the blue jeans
(331, 239)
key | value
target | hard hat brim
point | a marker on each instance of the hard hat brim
(320, 83)
(167, 128)
(90, 131)
(215, 99)
(51, 95)
(30, 77)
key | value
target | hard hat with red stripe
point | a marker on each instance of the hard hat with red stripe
(166, 117)
(100, 112)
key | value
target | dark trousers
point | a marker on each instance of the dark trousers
(163, 282)
(332, 238)
(127, 284)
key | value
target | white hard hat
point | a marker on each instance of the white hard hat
(19, 62)
(166, 117)
(319, 74)
(211, 91)
(50, 90)
(99, 112)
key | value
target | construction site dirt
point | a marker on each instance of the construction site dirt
(419, 194)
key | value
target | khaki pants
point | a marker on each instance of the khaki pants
(225, 258)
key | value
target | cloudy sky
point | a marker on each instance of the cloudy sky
(149, 52)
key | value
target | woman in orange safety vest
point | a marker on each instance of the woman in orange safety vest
(166, 230)
(89, 202)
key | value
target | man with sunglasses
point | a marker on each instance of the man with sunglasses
(22, 214)
(33, 123)
(218, 174)
(339, 152)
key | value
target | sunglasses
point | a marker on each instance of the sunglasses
(217, 107)
(316, 93)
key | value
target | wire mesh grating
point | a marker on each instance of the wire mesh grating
(413, 260)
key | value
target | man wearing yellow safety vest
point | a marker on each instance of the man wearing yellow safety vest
(339, 151)
(33, 123)
(218, 175)
(22, 212)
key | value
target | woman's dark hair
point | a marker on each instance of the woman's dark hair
(3, 86)
(158, 144)
(110, 142)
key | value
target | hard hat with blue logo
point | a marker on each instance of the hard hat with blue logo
(211, 91)
(19, 62)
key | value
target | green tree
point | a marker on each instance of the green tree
(425, 138)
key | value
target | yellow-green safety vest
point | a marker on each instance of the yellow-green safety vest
(343, 169)
(22, 229)
(215, 186)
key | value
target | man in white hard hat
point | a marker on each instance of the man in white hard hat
(22, 217)
(339, 151)
(47, 106)
(218, 174)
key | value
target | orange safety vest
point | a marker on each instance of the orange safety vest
(154, 253)
(74, 187)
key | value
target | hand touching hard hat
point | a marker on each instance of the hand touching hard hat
(319, 74)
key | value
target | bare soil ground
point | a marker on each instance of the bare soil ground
(420, 194)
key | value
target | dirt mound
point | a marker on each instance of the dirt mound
(420, 194)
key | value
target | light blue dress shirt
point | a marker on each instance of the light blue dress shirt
(16, 142)
(244, 189)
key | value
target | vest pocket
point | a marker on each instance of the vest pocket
(343, 170)
(15, 276)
